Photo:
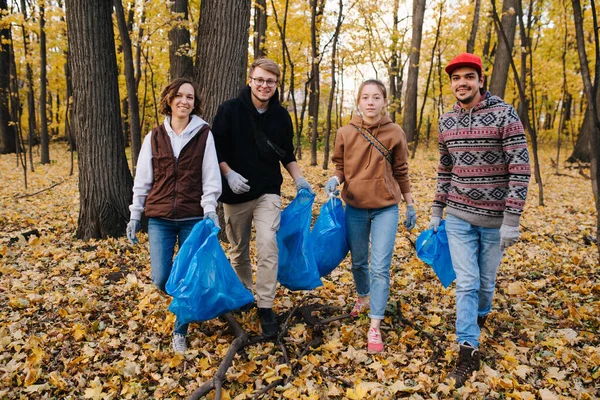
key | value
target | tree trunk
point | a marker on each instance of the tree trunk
(333, 83)
(260, 28)
(45, 145)
(316, 12)
(222, 53)
(179, 47)
(104, 179)
(286, 55)
(409, 122)
(592, 99)
(474, 26)
(394, 65)
(425, 94)
(529, 127)
(30, 94)
(504, 50)
(8, 133)
(132, 97)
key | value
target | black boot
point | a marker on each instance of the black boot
(481, 321)
(268, 322)
(469, 360)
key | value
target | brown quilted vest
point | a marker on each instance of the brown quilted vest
(177, 188)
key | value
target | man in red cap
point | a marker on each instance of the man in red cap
(482, 182)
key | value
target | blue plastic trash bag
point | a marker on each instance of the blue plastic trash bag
(433, 249)
(297, 266)
(202, 282)
(329, 236)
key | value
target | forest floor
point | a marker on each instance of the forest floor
(82, 319)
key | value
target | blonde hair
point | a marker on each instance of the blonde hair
(377, 83)
(266, 64)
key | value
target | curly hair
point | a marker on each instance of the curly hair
(170, 91)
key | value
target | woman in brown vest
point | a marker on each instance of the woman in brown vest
(177, 183)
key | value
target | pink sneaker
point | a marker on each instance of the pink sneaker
(360, 307)
(374, 342)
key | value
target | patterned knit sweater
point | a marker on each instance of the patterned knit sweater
(484, 164)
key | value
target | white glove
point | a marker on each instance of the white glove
(434, 223)
(302, 183)
(132, 227)
(213, 217)
(236, 182)
(508, 236)
(331, 186)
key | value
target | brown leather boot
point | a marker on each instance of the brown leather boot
(469, 360)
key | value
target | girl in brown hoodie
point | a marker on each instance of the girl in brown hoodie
(370, 158)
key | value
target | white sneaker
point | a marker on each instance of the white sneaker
(179, 343)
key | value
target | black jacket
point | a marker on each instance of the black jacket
(236, 144)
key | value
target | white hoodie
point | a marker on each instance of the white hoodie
(211, 175)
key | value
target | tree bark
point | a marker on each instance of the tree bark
(179, 47)
(425, 94)
(316, 13)
(135, 128)
(409, 123)
(504, 50)
(104, 179)
(394, 66)
(281, 27)
(474, 27)
(529, 127)
(222, 53)
(8, 133)
(592, 100)
(45, 145)
(336, 34)
(260, 28)
(30, 93)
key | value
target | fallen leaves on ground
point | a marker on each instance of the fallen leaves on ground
(82, 319)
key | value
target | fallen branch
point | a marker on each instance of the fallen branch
(242, 339)
(39, 191)
(216, 383)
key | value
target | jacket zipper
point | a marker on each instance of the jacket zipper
(175, 191)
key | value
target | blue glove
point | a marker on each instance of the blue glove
(302, 183)
(213, 217)
(132, 227)
(434, 223)
(508, 236)
(331, 186)
(411, 217)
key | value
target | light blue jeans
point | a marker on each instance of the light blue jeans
(379, 225)
(162, 235)
(476, 255)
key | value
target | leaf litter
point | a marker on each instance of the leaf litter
(82, 320)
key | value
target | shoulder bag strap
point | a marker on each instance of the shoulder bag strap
(376, 143)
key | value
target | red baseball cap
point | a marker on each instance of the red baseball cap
(464, 60)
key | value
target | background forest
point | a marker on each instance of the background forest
(79, 83)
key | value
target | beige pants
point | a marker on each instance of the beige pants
(265, 212)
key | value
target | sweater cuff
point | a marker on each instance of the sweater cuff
(511, 219)
(136, 215)
(437, 211)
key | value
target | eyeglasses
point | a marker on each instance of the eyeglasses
(261, 81)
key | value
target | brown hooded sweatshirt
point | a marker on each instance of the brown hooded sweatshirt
(369, 179)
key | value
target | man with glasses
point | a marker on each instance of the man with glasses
(253, 135)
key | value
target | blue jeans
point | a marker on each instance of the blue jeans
(162, 235)
(380, 226)
(476, 255)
